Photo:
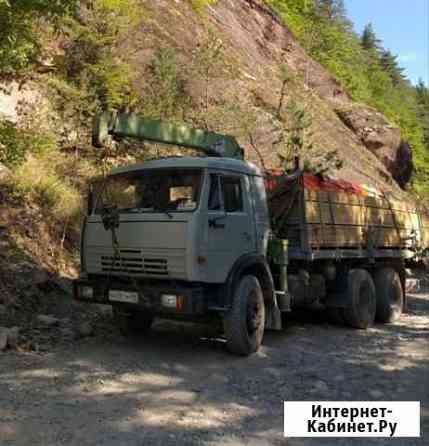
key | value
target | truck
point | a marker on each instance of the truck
(212, 238)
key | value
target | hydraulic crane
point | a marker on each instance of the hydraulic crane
(136, 126)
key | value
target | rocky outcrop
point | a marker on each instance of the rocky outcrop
(381, 138)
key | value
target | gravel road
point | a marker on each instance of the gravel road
(179, 386)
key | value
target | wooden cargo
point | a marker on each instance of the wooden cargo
(317, 214)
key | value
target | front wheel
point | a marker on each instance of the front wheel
(132, 322)
(245, 321)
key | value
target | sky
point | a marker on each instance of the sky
(402, 25)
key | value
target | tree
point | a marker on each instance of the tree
(422, 93)
(164, 95)
(369, 40)
(390, 65)
(333, 10)
(210, 63)
(22, 25)
(296, 144)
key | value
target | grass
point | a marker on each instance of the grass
(36, 178)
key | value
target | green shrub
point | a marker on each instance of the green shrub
(16, 143)
(199, 5)
(22, 25)
(37, 179)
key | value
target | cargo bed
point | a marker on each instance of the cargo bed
(325, 218)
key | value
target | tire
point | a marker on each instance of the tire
(390, 295)
(245, 322)
(132, 322)
(361, 308)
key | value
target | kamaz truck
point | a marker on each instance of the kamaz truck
(213, 238)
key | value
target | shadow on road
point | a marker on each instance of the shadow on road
(179, 385)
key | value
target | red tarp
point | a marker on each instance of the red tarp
(316, 183)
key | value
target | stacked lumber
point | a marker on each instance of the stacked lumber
(320, 213)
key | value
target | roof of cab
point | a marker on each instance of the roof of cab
(231, 164)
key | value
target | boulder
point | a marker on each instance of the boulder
(381, 138)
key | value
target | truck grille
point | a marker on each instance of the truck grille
(133, 262)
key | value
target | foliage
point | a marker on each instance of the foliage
(422, 93)
(164, 95)
(199, 5)
(16, 143)
(21, 24)
(297, 146)
(370, 73)
(38, 179)
(92, 60)
(369, 39)
(210, 66)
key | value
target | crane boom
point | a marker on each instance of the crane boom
(133, 125)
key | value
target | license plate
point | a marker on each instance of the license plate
(123, 296)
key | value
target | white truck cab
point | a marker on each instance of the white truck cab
(173, 237)
(179, 219)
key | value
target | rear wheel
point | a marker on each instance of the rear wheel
(361, 297)
(245, 321)
(132, 322)
(390, 295)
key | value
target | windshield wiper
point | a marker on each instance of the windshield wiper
(137, 210)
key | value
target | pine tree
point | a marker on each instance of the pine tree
(333, 10)
(369, 40)
(422, 93)
(390, 65)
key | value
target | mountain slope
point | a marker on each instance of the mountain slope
(258, 43)
(232, 67)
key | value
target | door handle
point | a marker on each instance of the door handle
(215, 225)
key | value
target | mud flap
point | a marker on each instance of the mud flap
(273, 316)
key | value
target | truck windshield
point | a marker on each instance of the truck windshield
(157, 190)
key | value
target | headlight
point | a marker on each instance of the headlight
(173, 301)
(168, 300)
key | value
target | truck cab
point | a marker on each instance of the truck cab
(174, 238)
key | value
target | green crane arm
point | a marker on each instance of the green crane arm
(133, 125)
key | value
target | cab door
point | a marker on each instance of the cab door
(231, 231)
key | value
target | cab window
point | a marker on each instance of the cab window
(232, 193)
(215, 203)
(226, 193)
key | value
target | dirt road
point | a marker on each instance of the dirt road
(179, 386)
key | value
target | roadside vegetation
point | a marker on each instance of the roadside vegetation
(370, 73)
(75, 51)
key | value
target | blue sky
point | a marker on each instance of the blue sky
(402, 25)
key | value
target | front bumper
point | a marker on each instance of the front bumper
(190, 299)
